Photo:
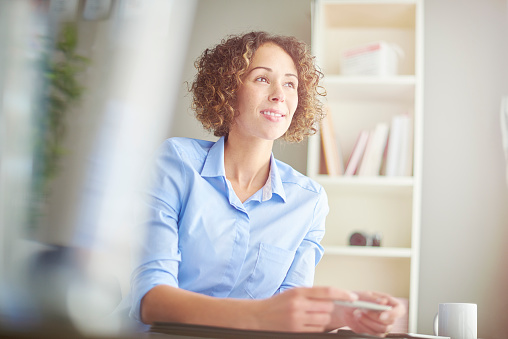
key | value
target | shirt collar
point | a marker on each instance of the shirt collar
(214, 167)
(214, 163)
(274, 183)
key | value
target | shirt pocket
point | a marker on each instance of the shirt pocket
(271, 268)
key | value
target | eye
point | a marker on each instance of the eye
(290, 84)
(261, 79)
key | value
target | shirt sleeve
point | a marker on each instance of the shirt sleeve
(159, 256)
(310, 251)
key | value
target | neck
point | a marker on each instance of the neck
(247, 164)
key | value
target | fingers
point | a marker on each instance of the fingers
(367, 322)
(385, 317)
(374, 322)
(327, 292)
(315, 320)
(317, 304)
(318, 299)
(306, 309)
(396, 311)
(375, 297)
(312, 309)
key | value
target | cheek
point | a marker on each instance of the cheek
(294, 104)
(241, 104)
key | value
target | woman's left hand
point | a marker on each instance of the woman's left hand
(378, 323)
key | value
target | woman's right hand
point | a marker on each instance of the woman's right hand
(301, 309)
(372, 322)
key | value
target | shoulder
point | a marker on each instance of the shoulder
(186, 147)
(292, 177)
(183, 154)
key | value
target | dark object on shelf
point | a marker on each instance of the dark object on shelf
(362, 239)
(358, 239)
(376, 240)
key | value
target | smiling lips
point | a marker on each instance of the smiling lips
(274, 114)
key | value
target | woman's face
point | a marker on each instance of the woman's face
(268, 97)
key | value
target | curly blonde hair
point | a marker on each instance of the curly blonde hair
(219, 76)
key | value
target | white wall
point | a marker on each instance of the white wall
(464, 232)
(215, 19)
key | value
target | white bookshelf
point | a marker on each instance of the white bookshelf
(376, 204)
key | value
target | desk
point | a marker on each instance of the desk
(185, 331)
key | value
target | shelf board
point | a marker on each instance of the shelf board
(368, 251)
(401, 87)
(398, 14)
(370, 80)
(378, 184)
(377, 181)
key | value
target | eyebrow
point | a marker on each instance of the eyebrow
(271, 70)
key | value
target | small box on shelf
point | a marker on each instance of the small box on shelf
(373, 59)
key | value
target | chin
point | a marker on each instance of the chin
(273, 137)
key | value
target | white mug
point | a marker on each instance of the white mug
(456, 320)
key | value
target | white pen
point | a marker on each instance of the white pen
(363, 305)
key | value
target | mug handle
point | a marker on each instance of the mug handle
(436, 324)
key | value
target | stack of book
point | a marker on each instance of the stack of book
(387, 149)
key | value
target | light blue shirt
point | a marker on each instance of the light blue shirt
(202, 238)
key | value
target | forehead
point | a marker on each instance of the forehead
(272, 56)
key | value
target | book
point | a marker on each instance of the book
(322, 164)
(400, 147)
(357, 153)
(374, 151)
(393, 157)
(331, 148)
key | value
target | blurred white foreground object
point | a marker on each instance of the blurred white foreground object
(78, 283)
(148, 45)
(504, 130)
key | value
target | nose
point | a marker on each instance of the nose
(277, 94)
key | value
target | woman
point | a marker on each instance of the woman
(233, 234)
